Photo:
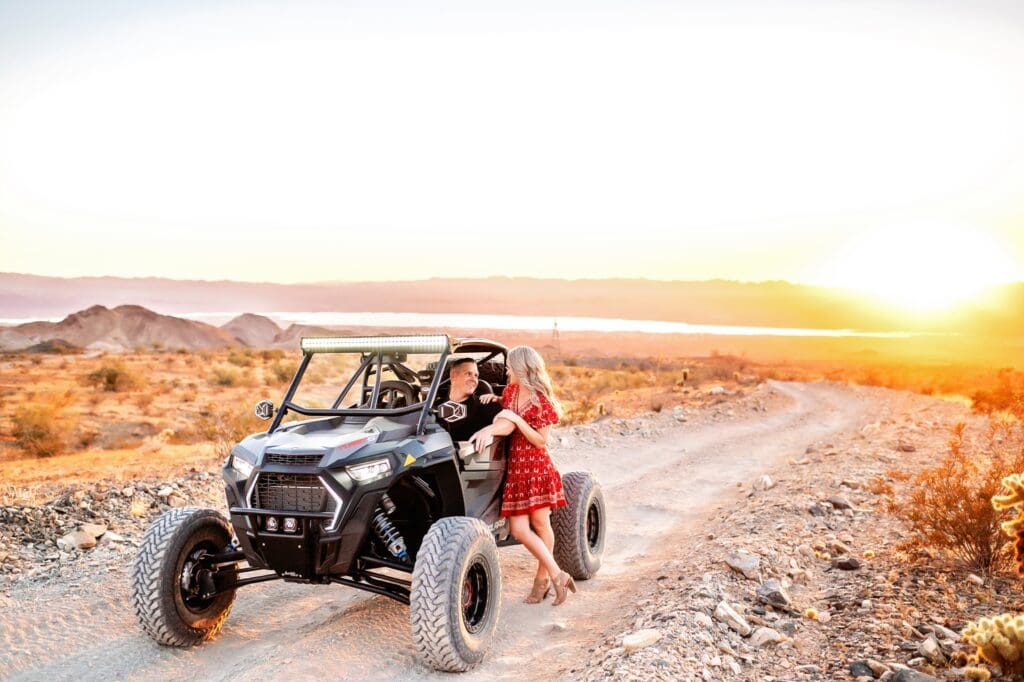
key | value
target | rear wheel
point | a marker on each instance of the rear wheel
(580, 526)
(171, 573)
(456, 594)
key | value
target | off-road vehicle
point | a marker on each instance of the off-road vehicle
(371, 493)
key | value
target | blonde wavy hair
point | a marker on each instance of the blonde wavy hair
(533, 374)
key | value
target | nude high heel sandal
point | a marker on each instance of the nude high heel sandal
(564, 584)
(539, 592)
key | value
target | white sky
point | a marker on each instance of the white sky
(317, 141)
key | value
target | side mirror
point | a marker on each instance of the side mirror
(264, 409)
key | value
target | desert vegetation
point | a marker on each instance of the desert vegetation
(948, 508)
(72, 403)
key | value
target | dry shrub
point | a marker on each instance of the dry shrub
(86, 436)
(582, 411)
(949, 507)
(1006, 395)
(144, 400)
(226, 424)
(880, 486)
(240, 358)
(113, 377)
(36, 429)
(283, 372)
(225, 376)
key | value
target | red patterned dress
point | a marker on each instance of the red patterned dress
(532, 481)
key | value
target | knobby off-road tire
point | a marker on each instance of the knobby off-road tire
(456, 594)
(580, 526)
(157, 571)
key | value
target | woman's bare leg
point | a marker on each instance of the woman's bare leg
(540, 522)
(521, 531)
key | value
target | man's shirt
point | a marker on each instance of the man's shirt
(468, 416)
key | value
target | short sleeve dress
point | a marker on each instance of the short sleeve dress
(532, 482)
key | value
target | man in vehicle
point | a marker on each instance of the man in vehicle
(464, 412)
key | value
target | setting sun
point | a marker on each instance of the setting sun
(924, 268)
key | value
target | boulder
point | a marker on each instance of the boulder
(908, 675)
(745, 564)
(877, 668)
(704, 620)
(111, 537)
(94, 529)
(728, 615)
(929, 648)
(640, 639)
(765, 636)
(861, 669)
(76, 539)
(839, 502)
(772, 593)
(846, 563)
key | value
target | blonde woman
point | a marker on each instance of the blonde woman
(533, 487)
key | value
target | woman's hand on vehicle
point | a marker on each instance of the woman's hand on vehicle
(488, 398)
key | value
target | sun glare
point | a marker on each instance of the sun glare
(924, 268)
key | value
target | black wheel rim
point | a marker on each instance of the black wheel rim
(593, 527)
(189, 582)
(474, 596)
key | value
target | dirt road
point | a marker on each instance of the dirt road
(655, 488)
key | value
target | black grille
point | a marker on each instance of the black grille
(304, 460)
(292, 492)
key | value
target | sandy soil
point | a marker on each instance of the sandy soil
(656, 487)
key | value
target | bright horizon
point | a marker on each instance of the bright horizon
(832, 144)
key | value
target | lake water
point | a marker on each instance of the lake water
(444, 321)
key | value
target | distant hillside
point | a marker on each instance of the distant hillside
(771, 304)
(252, 330)
(123, 328)
(289, 338)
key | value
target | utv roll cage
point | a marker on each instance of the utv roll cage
(377, 354)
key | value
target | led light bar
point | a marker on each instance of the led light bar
(419, 343)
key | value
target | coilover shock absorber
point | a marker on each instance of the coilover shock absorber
(385, 529)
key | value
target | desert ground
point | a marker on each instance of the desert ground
(754, 531)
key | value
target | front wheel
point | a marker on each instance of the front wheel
(580, 526)
(168, 572)
(456, 594)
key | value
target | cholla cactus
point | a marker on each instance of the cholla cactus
(1014, 497)
(1000, 641)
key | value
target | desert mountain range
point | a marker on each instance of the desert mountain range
(128, 327)
(769, 304)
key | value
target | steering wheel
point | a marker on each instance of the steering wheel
(393, 394)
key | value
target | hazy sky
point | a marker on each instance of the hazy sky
(855, 144)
